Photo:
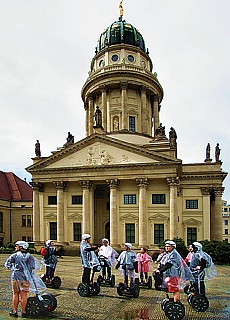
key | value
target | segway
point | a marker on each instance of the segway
(91, 289)
(109, 281)
(173, 310)
(40, 305)
(198, 302)
(132, 291)
(55, 282)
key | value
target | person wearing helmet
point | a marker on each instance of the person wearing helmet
(127, 263)
(109, 254)
(173, 270)
(50, 261)
(23, 278)
(88, 258)
(202, 267)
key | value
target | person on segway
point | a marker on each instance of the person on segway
(23, 278)
(202, 267)
(50, 261)
(174, 271)
(128, 265)
(144, 261)
(88, 258)
(108, 255)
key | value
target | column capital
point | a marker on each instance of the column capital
(37, 186)
(60, 185)
(124, 85)
(103, 88)
(90, 97)
(86, 184)
(113, 183)
(205, 191)
(218, 191)
(173, 181)
(143, 89)
(142, 182)
(156, 98)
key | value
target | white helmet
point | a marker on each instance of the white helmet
(128, 245)
(105, 240)
(86, 236)
(197, 246)
(23, 244)
(172, 243)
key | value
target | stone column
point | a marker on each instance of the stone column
(113, 185)
(60, 186)
(37, 187)
(206, 213)
(124, 124)
(86, 185)
(144, 128)
(156, 113)
(216, 215)
(91, 113)
(104, 107)
(143, 221)
(86, 119)
(173, 184)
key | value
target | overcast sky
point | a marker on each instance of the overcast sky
(46, 47)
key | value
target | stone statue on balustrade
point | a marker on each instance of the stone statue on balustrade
(172, 137)
(37, 149)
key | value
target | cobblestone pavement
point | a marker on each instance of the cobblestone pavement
(109, 306)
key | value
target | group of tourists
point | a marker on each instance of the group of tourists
(170, 275)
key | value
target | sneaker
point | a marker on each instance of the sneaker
(24, 315)
(13, 314)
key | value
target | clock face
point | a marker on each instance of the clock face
(114, 57)
(131, 58)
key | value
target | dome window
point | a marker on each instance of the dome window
(115, 58)
(131, 58)
(101, 63)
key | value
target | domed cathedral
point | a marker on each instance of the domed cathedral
(123, 181)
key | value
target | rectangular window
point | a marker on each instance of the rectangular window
(29, 221)
(76, 199)
(225, 231)
(52, 200)
(130, 232)
(132, 124)
(191, 204)
(191, 235)
(130, 199)
(24, 221)
(23, 238)
(158, 199)
(77, 231)
(1, 221)
(226, 222)
(158, 233)
(53, 230)
(29, 239)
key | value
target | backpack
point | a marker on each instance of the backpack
(44, 252)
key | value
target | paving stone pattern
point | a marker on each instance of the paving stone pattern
(109, 306)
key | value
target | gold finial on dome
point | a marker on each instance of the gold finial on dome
(121, 10)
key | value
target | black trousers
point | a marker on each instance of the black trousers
(50, 272)
(86, 275)
(158, 279)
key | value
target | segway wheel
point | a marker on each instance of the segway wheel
(51, 302)
(174, 311)
(112, 281)
(83, 289)
(96, 288)
(190, 298)
(56, 282)
(150, 282)
(135, 290)
(34, 307)
(200, 303)
(186, 289)
(43, 277)
(120, 289)
(100, 280)
(164, 301)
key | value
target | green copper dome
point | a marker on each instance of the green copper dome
(120, 32)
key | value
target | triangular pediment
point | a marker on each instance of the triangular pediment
(129, 216)
(192, 222)
(99, 150)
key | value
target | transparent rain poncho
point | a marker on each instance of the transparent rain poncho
(88, 257)
(178, 270)
(109, 253)
(144, 261)
(208, 272)
(23, 266)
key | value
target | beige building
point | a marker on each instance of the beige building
(226, 220)
(15, 209)
(124, 180)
